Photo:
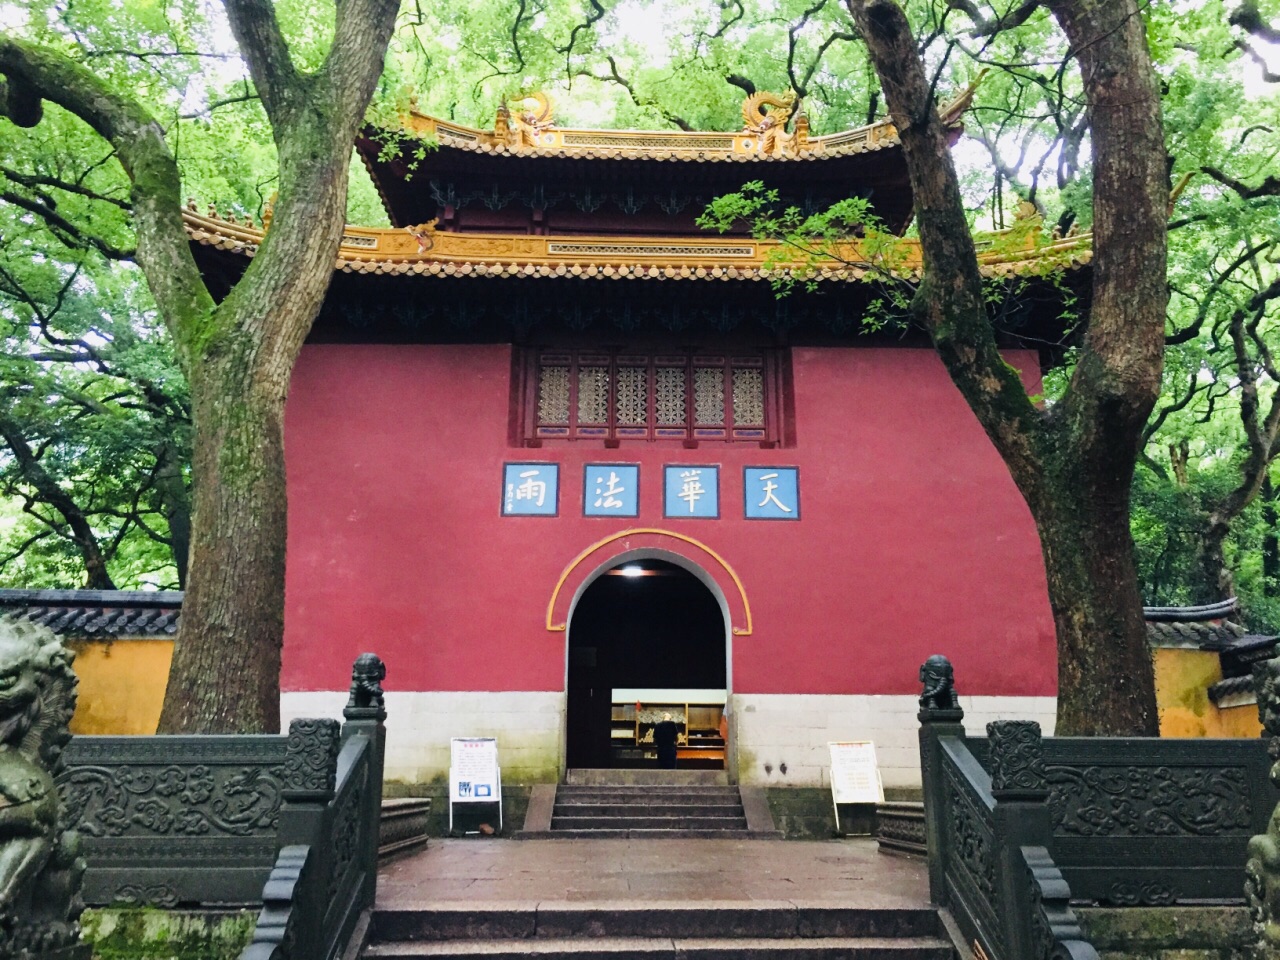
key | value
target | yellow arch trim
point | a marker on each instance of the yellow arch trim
(636, 531)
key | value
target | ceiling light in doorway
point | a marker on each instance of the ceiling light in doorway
(632, 571)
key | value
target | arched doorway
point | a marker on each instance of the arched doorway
(647, 632)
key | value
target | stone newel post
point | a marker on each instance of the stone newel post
(940, 716)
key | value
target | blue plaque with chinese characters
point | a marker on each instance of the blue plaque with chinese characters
(530, 489)
(611, 490)
(771, 493)
(691, 492)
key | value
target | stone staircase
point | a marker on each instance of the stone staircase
(647, 804)
(715, 930)
(648, 811)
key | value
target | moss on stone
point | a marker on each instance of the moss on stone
(150, 933)
(1169, 933)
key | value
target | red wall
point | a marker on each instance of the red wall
(913, 539)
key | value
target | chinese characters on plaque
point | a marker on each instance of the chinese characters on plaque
(771, 493)
(611, 490)
(689, 491)
(530, 489)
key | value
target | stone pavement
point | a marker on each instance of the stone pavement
(500, 872)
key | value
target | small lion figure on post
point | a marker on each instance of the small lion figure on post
(939, 682)
(40, 869)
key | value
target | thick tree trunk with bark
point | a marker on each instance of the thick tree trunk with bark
(175, 502)
(1214, 581)
(226, 663)
(226, 667)
(1074, 462)
(238, 355)
(1105, 680)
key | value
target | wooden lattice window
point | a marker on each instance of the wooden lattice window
(616, 395)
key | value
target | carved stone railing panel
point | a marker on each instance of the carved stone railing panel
(325, 877)
(166, 820)
(347, 831)
(970, 844)
(1148, 821)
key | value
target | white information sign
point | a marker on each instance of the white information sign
(855, 776)
(474, 776)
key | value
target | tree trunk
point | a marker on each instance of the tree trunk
(1105, 680)
(175, 503)
(226, 664)
(1270, 539)
(1214, 580)
(1073, 462)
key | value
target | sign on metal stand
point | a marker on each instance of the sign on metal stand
(855, 775)
(474, 775)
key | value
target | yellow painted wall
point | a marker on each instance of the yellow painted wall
(121, 685)
(1182, 681)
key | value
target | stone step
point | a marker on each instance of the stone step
(640, 822)
(661, 948)
(672, 919)
(609, 777)
(562, 833)
(642, 809)
(692, 793)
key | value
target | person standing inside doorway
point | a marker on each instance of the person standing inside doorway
(664, 738)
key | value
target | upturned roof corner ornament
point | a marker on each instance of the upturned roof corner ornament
(40, 866)
(950, 113)
(520, 122)
(1262, 868)
(424, 233)
(771, 126)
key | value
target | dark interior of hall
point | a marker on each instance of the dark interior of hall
(642, 624)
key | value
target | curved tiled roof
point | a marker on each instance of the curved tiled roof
(87, 614)
(744, 146)
(425, 251)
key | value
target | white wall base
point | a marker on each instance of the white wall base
(794, 729)
(772, 729)
(529, 727)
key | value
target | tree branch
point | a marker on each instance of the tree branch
(616, 77)
(62, 228)
(254, 25)
(164, 252)
(51, 492)
(1270, 187)
(1248, 17)
(35, 181)
(989, 27)
(950, 297)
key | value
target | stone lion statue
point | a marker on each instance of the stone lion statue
(939, 682)
(40, 870)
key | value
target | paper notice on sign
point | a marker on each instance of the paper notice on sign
(855, 776)
(473, 770)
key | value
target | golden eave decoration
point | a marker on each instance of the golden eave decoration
(425, 251)
(526, 127)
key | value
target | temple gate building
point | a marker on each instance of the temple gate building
(566, 461)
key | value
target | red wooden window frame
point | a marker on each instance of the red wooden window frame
(770, 363)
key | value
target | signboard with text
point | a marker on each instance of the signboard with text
(855, 775)
(474, 775)
(473, 770)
